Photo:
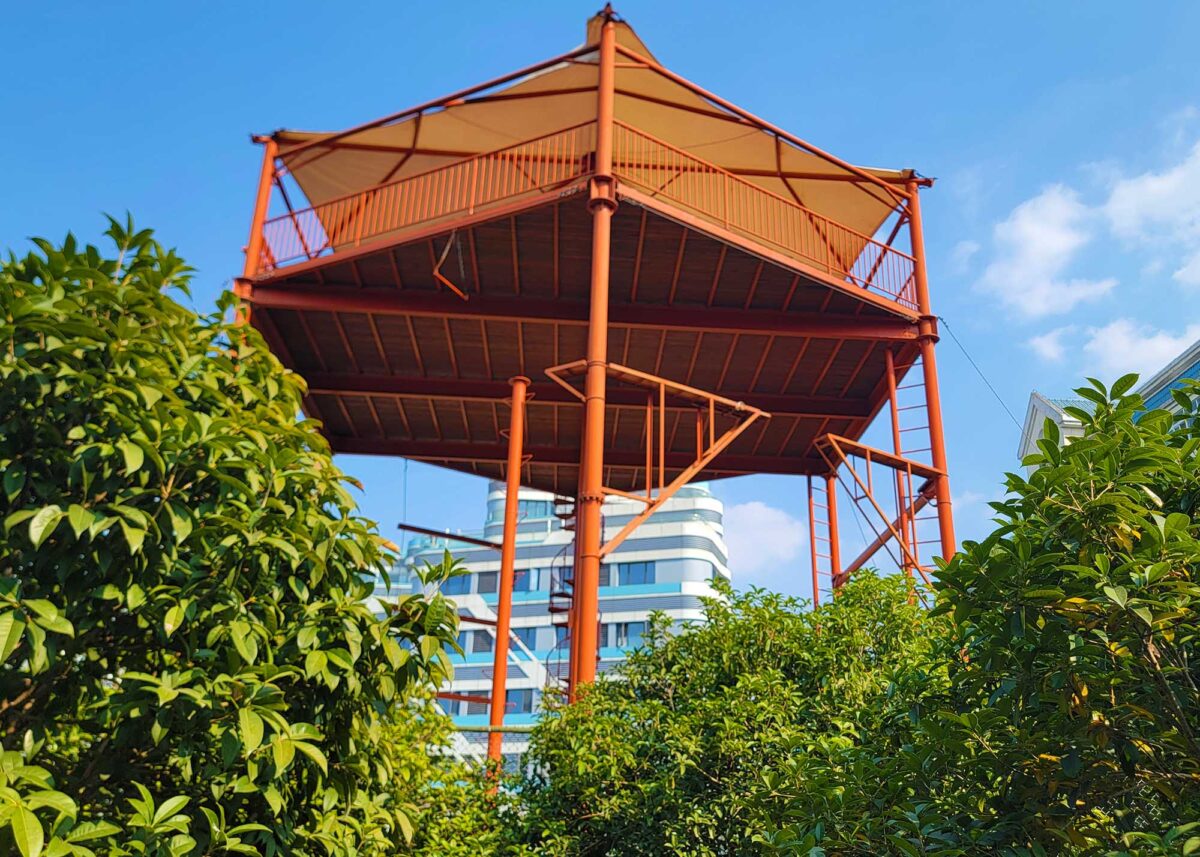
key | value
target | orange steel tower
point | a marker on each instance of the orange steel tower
(679, 290)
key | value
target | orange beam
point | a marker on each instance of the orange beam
(333, 384)
(441, 534)
(882, 539)
(435, 451)
(508, 553)
(438, 102)
(430, 304)
(895, 194)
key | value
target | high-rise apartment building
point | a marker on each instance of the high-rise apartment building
(667, 564)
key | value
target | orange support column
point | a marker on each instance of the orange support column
(902, 501)
(508, 552)
(241, 286)
(927, 338)
(812, 544)
(602, 202)
(835, 548)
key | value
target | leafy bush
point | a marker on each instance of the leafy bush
(187, 665)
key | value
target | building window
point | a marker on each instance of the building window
(629, 574)
(481, 641)
(486, 581)
(527, 636)
(525, 580)
(606, 575)
(519, 701)
(460, 584)
(629, 634)
(534, 509)
(560, 635)
(475, 708)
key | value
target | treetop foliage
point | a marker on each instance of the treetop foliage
(187, 661)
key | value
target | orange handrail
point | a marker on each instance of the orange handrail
(731, 201)
(461, 187)
(642, 160)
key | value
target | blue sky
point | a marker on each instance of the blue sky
(1063, 232)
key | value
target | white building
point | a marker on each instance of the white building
(667, 564)
(1155, 392)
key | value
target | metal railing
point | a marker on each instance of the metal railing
(460, 188)
(641, 160)
(664, 171)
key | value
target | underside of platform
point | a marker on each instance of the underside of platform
(399, 365)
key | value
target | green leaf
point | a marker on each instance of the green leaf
(81, 519)
(170, 807)
(313, 753)
(174, 618)
(245, 641)
(251, 728)
(1117, 595)
(14, 480)
(1145, 615)
(134, 456)
(314, 662)
(55, 800)
(283, 750)
(43, 524)
(27, 831)
(88, 830)
(134, 536)
(11, 629)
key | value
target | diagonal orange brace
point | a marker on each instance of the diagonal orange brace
(831, 449)
(659, 389)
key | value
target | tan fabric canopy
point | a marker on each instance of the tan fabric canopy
(562, 96)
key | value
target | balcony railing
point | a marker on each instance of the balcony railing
(463, 187)
(656, 168)
(664, 171)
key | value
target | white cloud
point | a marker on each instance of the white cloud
(1189, 274)
(1158, 206)
(765, 544)
(961, 256)
(1050, 346)
(1034, 246)
(1125, 345)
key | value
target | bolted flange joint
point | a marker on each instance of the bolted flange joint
(602, 191)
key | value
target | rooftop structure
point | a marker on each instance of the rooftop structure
(1155, 392)
(670, 287)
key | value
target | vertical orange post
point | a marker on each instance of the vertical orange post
(241, 286)
(812, 544)
(835, 547)
(602, 202)
(901, 492)
(508, 553)
(927, 337)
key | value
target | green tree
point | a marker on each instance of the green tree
(690, 749)
(187, 665)
(1079, 620)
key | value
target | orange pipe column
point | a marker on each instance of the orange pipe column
(901, 492)
(241, 286)
(508, 553)
(927, 337)
(602, 202)
(835, 547)
(812, 544)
